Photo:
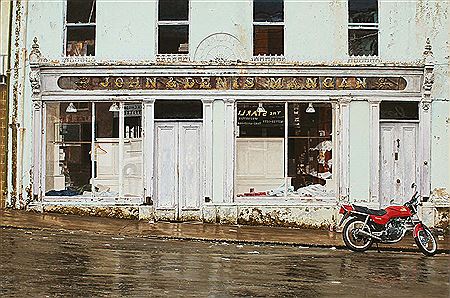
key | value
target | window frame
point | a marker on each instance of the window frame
(286, 198)
(363, 26)
(173, 23)
(259, 23)
(74, 25)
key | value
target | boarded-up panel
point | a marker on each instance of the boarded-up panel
(190, 166)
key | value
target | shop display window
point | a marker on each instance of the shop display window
(93, 150)
(284, 150)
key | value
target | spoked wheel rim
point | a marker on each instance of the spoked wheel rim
(427, 240)
(355, 239)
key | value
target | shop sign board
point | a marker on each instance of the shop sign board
(230, 83)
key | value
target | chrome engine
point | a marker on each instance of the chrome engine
(395, 230)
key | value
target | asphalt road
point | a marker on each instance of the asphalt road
(43, 263)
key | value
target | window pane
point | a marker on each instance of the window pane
(173, 39)
(268, 10)
(174, 109)
(80, 41)
(310, 150)
(396, 110)
(363, 42)
(268, 40)
(173, 10)
(68, 159)
(362, 11)
(80, 11)
(260, 150)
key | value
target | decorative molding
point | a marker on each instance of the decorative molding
(220, 48)
(172, 58)
(35, 54)
(268, 58)
(428, 74)
(35, 81)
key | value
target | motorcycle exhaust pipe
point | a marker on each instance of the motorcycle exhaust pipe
(369, 234)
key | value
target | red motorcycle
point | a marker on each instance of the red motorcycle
(367, 226)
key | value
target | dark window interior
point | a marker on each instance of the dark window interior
(254, 124)
(173, 39)
(80, 41)
(268, 11)
(268, 40)
(173, 10)
(395, 110)
(363, 42)
(182, 109)
(80, 11)
(363, 11)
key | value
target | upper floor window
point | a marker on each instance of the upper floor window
(363, 27)
(173, 26)
(80, 28)
(268, 27)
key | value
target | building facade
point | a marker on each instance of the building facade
(250, 112)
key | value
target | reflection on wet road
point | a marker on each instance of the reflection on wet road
(47, 263)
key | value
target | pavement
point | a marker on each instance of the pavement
(194, 231)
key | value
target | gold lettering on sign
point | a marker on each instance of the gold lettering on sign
(361, 83)
(328, 83)
(292, 84)
(205, 83)
(221, 83)
(105, 83)
(82, 82)
(344, 83)
(150, 83)
(275, 83)
(311, 83)
(134, 83)
(119, 82)
(171, 83)
(249, 83)
(190, 82)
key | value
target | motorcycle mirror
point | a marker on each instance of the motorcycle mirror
(413, 185)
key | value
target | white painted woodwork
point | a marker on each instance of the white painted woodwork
(178, 163)
(259, 164)
(344, 140)
(374, 151)
(398, 162)
(148, 131)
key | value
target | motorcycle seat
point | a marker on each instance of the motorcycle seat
(362, 209)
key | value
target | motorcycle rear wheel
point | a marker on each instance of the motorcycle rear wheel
(426, 242)
(353, 241)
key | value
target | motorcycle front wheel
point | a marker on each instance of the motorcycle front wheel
(426, 242)
(354, 240)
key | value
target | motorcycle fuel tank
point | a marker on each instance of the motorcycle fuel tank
(391, 212)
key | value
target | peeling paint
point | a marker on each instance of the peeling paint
(123, 212)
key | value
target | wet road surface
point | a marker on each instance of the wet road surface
(38, 263)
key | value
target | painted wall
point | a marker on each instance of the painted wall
(359, 151)
(440, 154)
(218, 150)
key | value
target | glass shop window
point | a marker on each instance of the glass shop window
(94, 150)
(278, 160)
(399, 110)
(363, 27)
(80, 28)
(173, 26)
(268, 27)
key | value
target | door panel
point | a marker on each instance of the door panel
(190, 166)
(398, 158)
(166, 161)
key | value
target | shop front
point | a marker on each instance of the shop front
(273, 145)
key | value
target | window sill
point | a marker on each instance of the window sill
(172, 58)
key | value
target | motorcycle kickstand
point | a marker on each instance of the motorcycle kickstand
(378, 249)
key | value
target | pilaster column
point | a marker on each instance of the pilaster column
(374, 150)
(344, 141)
(229, 151)
(37, 166)
(148, 125)
(208, 146)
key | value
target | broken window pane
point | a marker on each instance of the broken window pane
(310, 150)
(362, 11)
(173, 39)
(396, 110)
(68, 147)
(363, 42)
(268, 40)
(80, 41)
(173, 10)
(80, 11)
(268, 11)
